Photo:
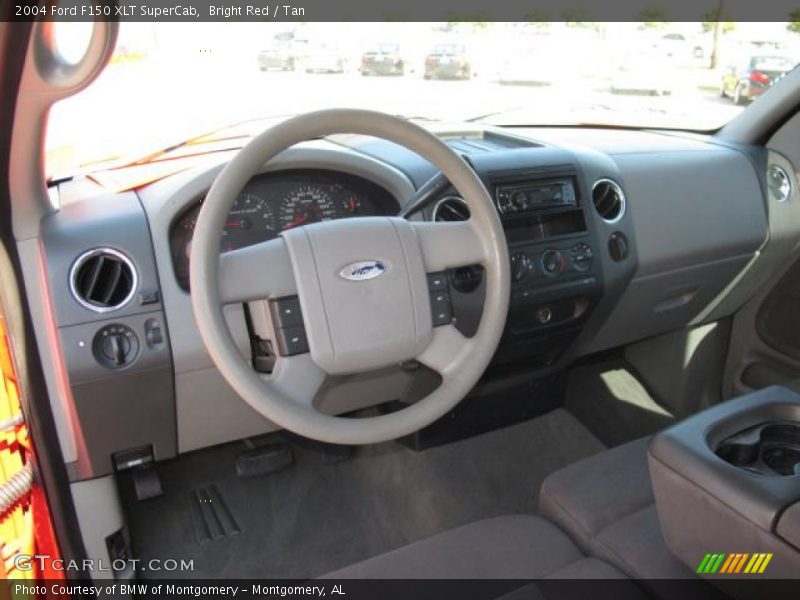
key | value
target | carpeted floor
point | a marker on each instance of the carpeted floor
(313, 517)
(609, 399)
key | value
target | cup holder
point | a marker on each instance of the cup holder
(768, 449)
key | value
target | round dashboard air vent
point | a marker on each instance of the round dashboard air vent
(778, 183)
(451, 208)
(103, 280)
(608, 200)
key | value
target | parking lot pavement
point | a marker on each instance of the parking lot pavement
(146, 105)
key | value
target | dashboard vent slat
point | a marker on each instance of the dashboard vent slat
(608, 200)
(90, 277)
(103, 280)
(111, 282)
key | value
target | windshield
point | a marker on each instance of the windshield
(168, 82)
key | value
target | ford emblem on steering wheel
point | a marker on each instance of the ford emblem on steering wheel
(361, 271)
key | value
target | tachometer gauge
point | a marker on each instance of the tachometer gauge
(306, 204)
(251, 220)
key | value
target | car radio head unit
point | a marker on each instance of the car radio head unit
(525, 197)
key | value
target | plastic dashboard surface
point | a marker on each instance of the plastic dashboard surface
(676, 266)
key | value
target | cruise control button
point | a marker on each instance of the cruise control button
(287, 311)
(292, 340)
(441, 309)
(437, 281)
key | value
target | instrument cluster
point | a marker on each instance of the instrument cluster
(275, 202)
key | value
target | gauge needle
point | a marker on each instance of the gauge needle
(297, 221)
(243, 223)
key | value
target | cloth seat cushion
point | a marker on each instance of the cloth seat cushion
(508, 547)
(586, 497)
(606, 505)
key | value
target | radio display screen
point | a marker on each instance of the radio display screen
(537, 195)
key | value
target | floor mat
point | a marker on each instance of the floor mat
(313, 518)
(211, 515)
(613, 404)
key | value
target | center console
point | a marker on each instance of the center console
(727, 482)
(556, 275)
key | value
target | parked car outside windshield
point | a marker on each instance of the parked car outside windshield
(383, 59)
(156, 90)
(746, 81)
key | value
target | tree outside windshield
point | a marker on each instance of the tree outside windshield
(171, 81)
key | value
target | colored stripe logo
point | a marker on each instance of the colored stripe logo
(734, 563)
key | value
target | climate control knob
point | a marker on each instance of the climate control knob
(552, 262)
(520, 265)
(582, 255)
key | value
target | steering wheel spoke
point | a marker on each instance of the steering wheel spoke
(256, 272)
(447, 245)
(446, 350)
(298, 378)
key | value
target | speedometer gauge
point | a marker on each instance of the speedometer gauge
(251, 220)
(306, 204)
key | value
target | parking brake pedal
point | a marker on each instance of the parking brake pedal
(264, 460)
(146, 482)
(142, 467)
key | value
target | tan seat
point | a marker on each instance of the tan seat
(510, 547)
(606, 505)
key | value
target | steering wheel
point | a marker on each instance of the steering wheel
(362, 286)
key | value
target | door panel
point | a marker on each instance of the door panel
(778, 317)
(764, 374)
(765, 337)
